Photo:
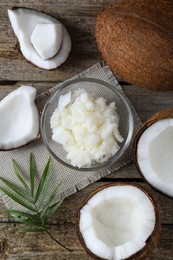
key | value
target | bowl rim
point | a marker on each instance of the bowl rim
(122, 149)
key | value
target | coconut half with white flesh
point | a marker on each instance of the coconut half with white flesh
(44, 41)
(19, 118)
(119, 221)
(153, 149)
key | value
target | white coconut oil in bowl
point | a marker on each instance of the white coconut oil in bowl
(98, 91)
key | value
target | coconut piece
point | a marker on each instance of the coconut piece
(153, 148)
(119, 221)
(64, 100)
(23, 22)
(47, 47)
(19, 119)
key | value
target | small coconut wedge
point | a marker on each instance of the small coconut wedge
(43, 40)
(47, 47)
(153, 151)
(119, 221)
(19, 119)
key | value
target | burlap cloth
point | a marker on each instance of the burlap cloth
(72, 180)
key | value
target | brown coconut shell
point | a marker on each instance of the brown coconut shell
(152, 240)
(164, 114)
(135, 38)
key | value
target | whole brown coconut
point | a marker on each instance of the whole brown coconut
(136, 40)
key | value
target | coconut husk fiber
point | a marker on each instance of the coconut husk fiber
(135, 38)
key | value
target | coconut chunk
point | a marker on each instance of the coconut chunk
(64, 100)
(155, 157)
(114, 224)
(23, 22)
(87, 217)
(47, 39)
(19, 120)
(98, 247)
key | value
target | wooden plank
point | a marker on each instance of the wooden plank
(40, 86)
(127, 172)
(79, 6)
(40, 246)
(67, 212)
(148, 102)
(144, 101)
(26, 71)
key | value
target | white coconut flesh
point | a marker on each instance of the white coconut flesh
(47, 47)
(19, 119)
(155, 155)
(116, 222)
(26, 23)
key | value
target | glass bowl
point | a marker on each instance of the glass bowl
(97, 88)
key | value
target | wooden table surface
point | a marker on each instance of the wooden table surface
(79, 17)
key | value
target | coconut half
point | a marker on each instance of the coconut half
(19, 119)
(119, 221)
(43, 40)
(153, 148)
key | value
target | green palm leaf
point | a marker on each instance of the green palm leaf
(19, 176)
(32, 173)
(16, 199)
(16, 189)
(28, 222)
(18, 213)
(37, 218)
(45, 189)
(51, 199)
(53, 209)
(45, 175)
